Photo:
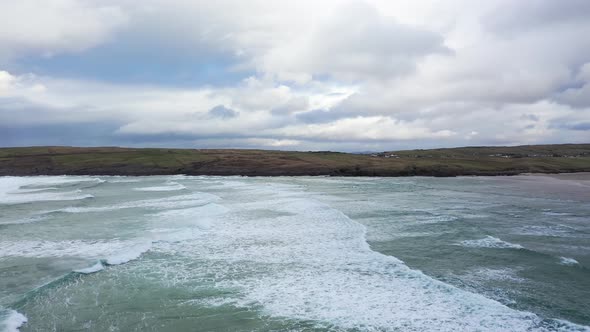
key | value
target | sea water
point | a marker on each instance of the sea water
(181, 253)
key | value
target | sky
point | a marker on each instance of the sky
(342, 75)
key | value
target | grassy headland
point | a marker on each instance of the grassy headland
(47, 160)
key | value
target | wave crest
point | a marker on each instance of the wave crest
(490, 242)
(11, 320)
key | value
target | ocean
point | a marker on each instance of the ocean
(184, 253)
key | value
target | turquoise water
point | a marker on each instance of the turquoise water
(183, 253)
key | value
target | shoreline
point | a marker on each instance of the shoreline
(469, 161)
(565, 186)
(563, 176)
(572, 176)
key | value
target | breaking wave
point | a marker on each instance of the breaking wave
(490, 242)
(18, 190)
(11, 320)
(169, 186)
(318, 267)
(568, 261)
(189, 200)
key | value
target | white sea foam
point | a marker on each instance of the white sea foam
(557, 214)
(433, 219)
(169, 186)
(490, 282)
(180, 201)
(184, 224)
(490, 242)
(45, 181)
(70, 248)
(568, 261)
(550, 230)
(32, 190)
(306, 262)
(122, 179)
(476, 216)
(17, 190)
(41, 183)
(16, 198)
(91, 269)
(11, 320)
(25, 220)
(199, 216)
(318, 267)
(171, 235)
(129, 254)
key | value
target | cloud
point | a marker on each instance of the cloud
(343, 75)
(275, 143)
(317, 116)
(223, 112)
(353, 43)
(294, 104)
(54, 26)
(577, 95)
(326, 116)
(364, 128)
(584, 126)
(530, 117)
(515, 17)
(6, 82)
(9, 84)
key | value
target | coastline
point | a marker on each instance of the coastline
(507, 174)
(469, 161)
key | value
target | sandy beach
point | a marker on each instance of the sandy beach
(567, 186)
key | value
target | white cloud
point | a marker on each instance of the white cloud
(364, 128)
(6, 82)
(50, 27)
(275, 143)
(353, 42)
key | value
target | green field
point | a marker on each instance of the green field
(435, 162)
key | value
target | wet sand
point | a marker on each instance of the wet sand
(581, 177)
(568, 186)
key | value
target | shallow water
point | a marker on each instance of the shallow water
(183, 253)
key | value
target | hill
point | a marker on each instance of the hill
(435, 162)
